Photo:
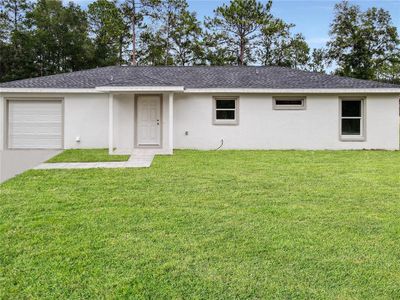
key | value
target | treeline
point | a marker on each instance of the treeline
(47, 37)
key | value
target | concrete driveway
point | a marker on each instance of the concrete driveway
(13, 162)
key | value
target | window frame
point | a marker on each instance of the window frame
(353, 138)
(225, 121)
(290, 106)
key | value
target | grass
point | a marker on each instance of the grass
(86, 155)
(207, 225)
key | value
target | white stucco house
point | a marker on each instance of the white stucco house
(166, 108)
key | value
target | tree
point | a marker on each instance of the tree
(318, 61)
(390, 70)
(279, 47)
(152, 49)
(174, 37)
(362, 43)
(109, 32)
(236, 26)
(3, 26)
(215, 51)
(134, 12)
(186, 34)
(59, 37)
(12, 27)
(14, 11)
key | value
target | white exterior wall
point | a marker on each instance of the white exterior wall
(86, 116)
(3, 132)
(124, 122)
(262, 127)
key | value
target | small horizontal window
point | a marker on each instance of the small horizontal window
(289, 103)
(225, 111)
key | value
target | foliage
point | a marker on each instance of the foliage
(318, 61)
(51, 39)
(174, 37)
(209, 225)
(47, 37)
(134, 13)
(186, 45)
(279, 47)
(236, 27)
(60, 36)
(363, 44)
(14, 12)
(109, 32)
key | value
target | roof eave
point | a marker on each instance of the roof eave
(4, 90)
(296, 91)
(149, 89)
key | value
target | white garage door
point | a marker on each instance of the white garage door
(35, 124)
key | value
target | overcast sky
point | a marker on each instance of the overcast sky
(311, 17)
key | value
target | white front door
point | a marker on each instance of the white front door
(148, 121)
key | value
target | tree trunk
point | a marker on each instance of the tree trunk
(241, 53)
(121, 41)
(133, 58)
(15, 16)
(167, 38)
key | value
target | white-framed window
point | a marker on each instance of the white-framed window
(352, 119)
(226, 110)
(290, 102)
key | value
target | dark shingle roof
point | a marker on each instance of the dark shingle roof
(197, 77)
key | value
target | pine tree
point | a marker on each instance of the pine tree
(236, 27)
(279, 47)
(109, 32)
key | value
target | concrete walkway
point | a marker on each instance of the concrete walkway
(135, 161)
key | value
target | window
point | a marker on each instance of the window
(352, 119)
(225, 110)
(289, 103)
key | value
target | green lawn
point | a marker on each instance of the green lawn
(86, 155)
(207, 225)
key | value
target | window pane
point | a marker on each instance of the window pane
(351, 126)
(289, 102)
(225, 103)
(225, 115)
(351, 108)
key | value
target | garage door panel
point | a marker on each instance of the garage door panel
(42, 128)
(35, 124)
(35, 142)
(36, 118)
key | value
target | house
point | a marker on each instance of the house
(124, 108)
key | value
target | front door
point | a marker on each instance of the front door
(148, 121)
